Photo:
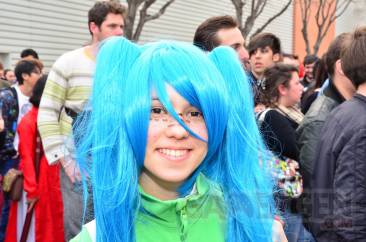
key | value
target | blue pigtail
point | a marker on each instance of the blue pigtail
(104, 151)
(244, 176)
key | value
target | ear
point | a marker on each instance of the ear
(282, 90)
(338, 67)
(93, 28)
(25, 76)
(276, 57)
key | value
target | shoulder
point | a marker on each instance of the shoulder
(351, 113)
(69, 59)
(274, 116)
(8, 96)
(320, 108)
(29, 120)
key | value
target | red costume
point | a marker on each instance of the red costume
(48, 212)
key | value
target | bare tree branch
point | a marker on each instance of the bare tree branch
(256, 9)
(239, 5)
(328, 11)
(260, 7)
(273, 18)
(305, 16)
(133, 6)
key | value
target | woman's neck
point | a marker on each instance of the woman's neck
(283, 102)
(158, 188)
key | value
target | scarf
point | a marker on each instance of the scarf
(292, 112)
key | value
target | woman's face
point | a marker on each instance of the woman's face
(172, 154)
(292, 93)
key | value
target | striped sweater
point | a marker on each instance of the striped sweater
(68, 85)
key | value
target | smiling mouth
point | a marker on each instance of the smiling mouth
(174, 154)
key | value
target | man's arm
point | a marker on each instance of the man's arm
(50, 108)
(308, 138)
(350, 189)
(8, 105)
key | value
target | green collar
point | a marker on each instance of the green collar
(167, 211)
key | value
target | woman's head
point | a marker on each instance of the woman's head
(281, 85)
(176, 79)
(162, 113)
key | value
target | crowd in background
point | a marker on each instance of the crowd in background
(311, 114)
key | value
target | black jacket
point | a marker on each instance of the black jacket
(339, 175)
(279, 135)
(309, 130)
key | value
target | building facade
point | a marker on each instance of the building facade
(54, 27)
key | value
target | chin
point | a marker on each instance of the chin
(174, 178)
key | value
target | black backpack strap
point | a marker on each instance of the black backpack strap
(15, 95)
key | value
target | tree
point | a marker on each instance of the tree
(144, 16)
(327, 11)
(255, 10)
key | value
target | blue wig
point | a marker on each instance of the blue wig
(113, 136)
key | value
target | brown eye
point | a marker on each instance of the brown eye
(158, 110)
(195, 114)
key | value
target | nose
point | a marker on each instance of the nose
(257, 54)
(175, 130)
(118, 31)
(243, 54)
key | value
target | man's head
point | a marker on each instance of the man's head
(353, 58)
(221, 30)
(9, 75)
(106, 19)
(264, 51)
(27, 72)
(29, 53)
(309, 62)
(333, 65)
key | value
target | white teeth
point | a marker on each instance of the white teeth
(175, 153)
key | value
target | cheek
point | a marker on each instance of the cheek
(201, 131)
(153, 134)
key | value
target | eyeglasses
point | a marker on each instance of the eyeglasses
(191, 116)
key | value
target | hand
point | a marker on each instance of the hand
(71, 169)
(2, 125)
(278, 235)
(31, 202)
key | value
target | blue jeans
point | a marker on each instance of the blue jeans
(4, 167)
(295, 230)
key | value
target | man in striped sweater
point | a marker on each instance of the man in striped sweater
(67, 90)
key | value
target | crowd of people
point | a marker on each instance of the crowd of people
(214, 140)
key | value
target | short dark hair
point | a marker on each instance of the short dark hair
(25, 67)
(28, 52)
(353, 58)
(37, 91)
(335, 48)
(101, 9)
(1, 66)
(262, 40)
(273, 77)
(309, 59)
(205, 36)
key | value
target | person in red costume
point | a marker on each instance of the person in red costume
(42, 193)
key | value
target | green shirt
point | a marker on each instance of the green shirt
(199, 216)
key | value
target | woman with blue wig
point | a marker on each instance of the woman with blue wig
(172, 149)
